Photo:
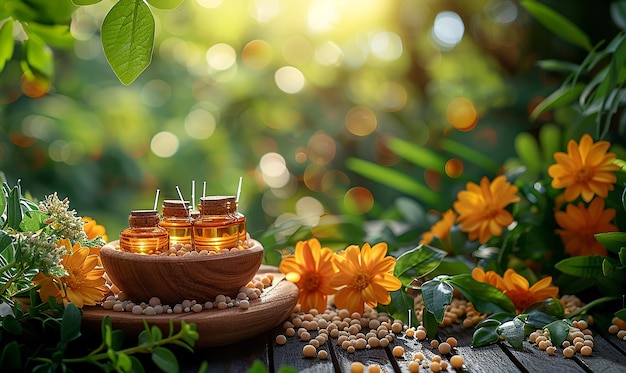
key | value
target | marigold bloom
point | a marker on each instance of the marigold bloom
(587, 169)
(579, 225)
(84, 283)
(440, 229)
(365, 276)
(516, 287)
(490, 277)
(311, 268)
(94, 230)
(481, 208)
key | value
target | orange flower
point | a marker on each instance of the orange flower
(94, 230)
(440, 229)
(580, 224)
(311, 268)
(365, 276)
(490, 277)
(84, 283)
(481, 208)
(587, 169)
(516, 287)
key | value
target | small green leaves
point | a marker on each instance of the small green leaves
(165, 359)
(486, 334)
(557, 24)
(70, 325)
(165, 4)
(559, 98)
(483, 296)
(417, 262)
(582, 266)
(6, 45)
(128, 38)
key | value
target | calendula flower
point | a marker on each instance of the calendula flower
(586, 170)
(490, 277)
(516, 287)
(93, 229)
(579, 224)
(481, 208)
(83, 283)
(311, 268)
(364, 276)
(440, 229)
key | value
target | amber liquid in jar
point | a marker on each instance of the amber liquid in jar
(144, 236)
(216, 229)
(241, 223)
(177, 221)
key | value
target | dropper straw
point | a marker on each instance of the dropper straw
(193, 194)
(156, 200)
(204, 189)
(180, 195)
(239, 189)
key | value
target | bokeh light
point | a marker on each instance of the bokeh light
(361, 121)
(257, 54)
(289, 79)
(274, 170)
(221, 56)
(448, 30)
(454, 168)
(321, 148)
(461, 114)
(200, 124)
(358, 200)
(164, 144)
(309, 210)
(386, 45)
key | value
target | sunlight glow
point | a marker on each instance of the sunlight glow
(448, 30)
(289, 79)
(200, 124)
(221, 56)
(164, 144)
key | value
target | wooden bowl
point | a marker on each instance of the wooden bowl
(176, 278)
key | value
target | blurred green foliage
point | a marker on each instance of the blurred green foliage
(334, 113)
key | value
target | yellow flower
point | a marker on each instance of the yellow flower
(587, 169)
(481, 208)
(84, 283)
(311, 268)
(490, 277)
(516, 287)
(580, 224)
(440, 229)
(364, 277)
(94, 230)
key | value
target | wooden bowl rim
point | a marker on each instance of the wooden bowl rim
(110, 251)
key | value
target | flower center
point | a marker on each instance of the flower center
(74, 280)
(311, 282)
(583, 174)
(361, 280)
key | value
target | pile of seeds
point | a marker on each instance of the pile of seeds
(579, 340)
(253, 290)
(618, 327)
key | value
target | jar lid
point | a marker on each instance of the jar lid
(216, 205)
(143, 218)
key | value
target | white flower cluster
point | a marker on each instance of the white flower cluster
(41, 251)
(63, 220)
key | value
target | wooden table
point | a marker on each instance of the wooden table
(609, 355)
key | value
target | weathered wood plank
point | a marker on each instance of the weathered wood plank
(291, 355)
(616, 342)
(377, 356)
(534, 359)
(605, 357)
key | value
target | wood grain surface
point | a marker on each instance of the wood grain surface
(216, 327)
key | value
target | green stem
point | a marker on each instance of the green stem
(590, 305)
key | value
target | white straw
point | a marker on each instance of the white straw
(409, 319)
(193, 194)
(156, 200)
(180, 195)
(204, 189)
(239, 189)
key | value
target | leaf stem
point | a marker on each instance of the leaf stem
(589, 305)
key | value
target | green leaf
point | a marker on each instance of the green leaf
(486, 335)
(621, 314)
(417, 262)
(11, 358)
(558, 66)
(471, 155)
(137, 367)
(401, 303)
(622, 255)
(39, 56)
(165, 4)
(559, 331)
(513, 331)
(156, 333)
(430, 323)
(257, 367)
(552, 307)
(618, 13)
(165, 359)
(70, 325)
(550, 141)
(85, 2)
(485, 297)
(437, 295)
(565, 95)
(11, 325)
(14, 212)
(54, 35)
(123, 363)
(418, 155)
(393, 179)
(527, 150)
(7, 46)
(33, 221)
(558, 24)
(128, 39)
(582, 266)
(287, 369)
(612, 241)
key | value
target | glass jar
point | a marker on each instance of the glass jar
(144, 236)
(177, 221)
(216, 228)
(241, 223)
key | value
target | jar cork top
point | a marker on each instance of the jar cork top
(143, 218)
(176, 207)
(216, 205)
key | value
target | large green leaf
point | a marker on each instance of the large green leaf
(513, 331)
(165, 4)
(471, 155)
(128, 39)
(417, 262)
(562, 96)
(6, 44)
(437, 295)
(559, 331)
(418, 155)
(486, 334)
(394, 179)
(85, 2)
(559, 25)
(485, 297)
(582, 266)
(612, 241)
(39, 56)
